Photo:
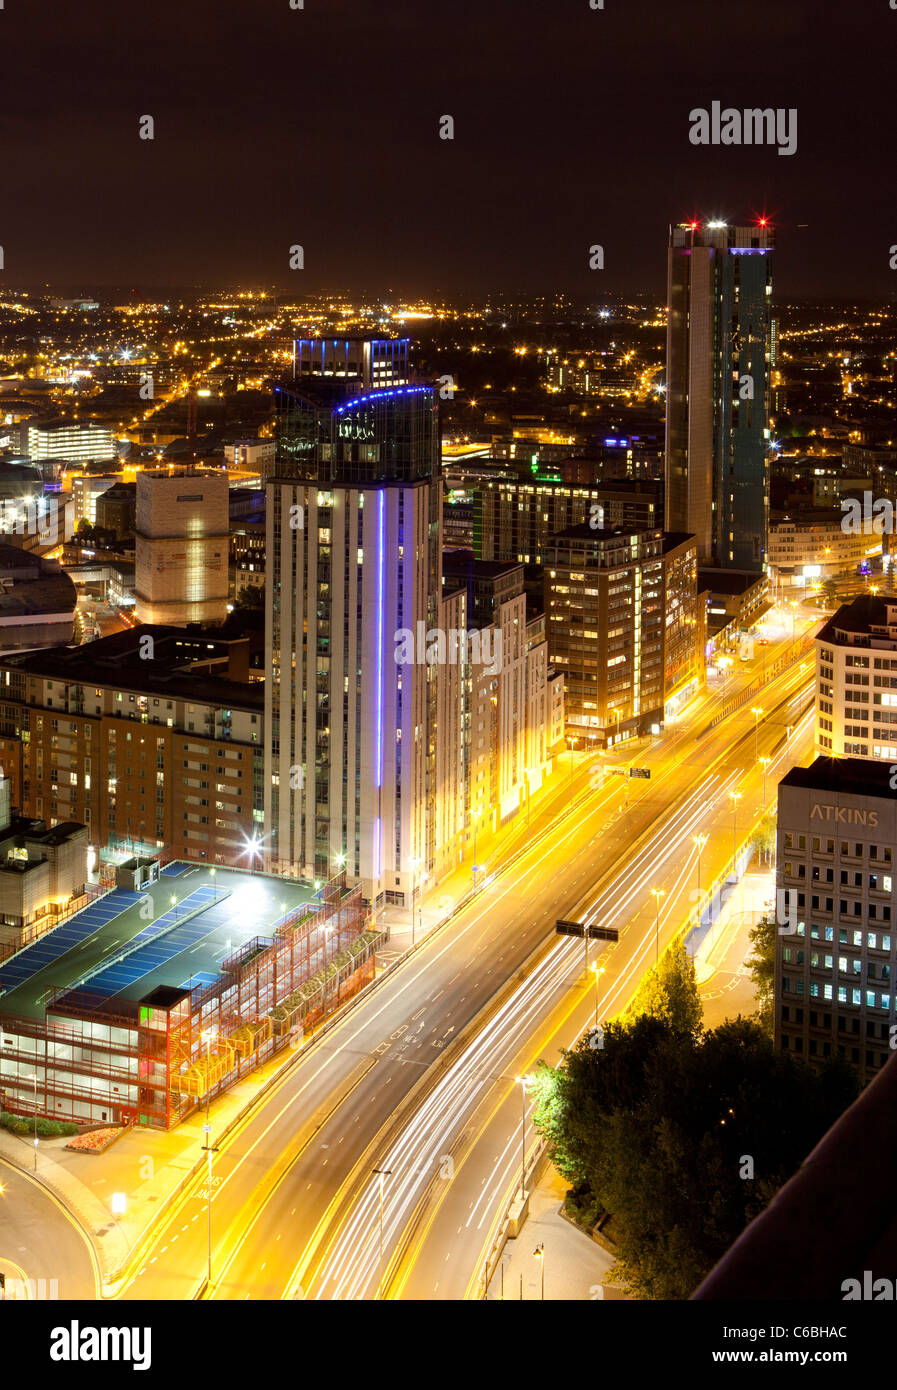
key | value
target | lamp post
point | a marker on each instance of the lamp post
(764, 763)
(596, 971)
(174, 904)
(381, 1174)
(214, 885)
(700, 841)
(736, 797)
(208, 1034)
(657, 894)
(756, 711)
(539, 1253)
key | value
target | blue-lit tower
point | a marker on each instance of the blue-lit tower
(353, 537)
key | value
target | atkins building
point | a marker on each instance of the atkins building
(836, 951)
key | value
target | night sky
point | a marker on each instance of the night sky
(319, 126)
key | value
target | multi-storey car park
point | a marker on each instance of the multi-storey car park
(170, 986)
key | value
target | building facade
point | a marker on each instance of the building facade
(836, 948)
(514, 518)
(182, 538)
(719, 361)
(145, 752)
(856, 681)
(623, 628)
(353, 556)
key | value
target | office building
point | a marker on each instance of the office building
(182, 539)
(87, 489)
(719, 359)
(514, 518)
(812, 545)
(70, 441)
(856, 680)
(623, 627)
(836, 948)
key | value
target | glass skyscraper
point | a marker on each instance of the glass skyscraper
(718, 390)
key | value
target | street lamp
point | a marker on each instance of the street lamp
(208, 1034)
(539, 1253)
(756, 711)
(214, 885)
(736, 797)
(381, 1174)
(700, 841)
(657, 894)
(764, 762)
(596, 971)
(174, 904)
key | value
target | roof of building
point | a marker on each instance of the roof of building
(463, 561)
(852, 776)
(865, 612)
(117, 661)
(725, 581)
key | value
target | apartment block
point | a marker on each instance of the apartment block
(143, 737)
(856, 680)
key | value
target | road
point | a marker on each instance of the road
(283, 1184)
(455, 1161)
(41, 1244)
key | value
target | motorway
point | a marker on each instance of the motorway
(287, 1183)
(454, 1163)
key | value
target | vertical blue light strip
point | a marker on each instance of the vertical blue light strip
(378, 749)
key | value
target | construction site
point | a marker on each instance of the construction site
(173, 983)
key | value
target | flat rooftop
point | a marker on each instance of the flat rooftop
(128, 944)
(852, 776)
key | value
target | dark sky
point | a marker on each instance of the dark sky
(320, 126)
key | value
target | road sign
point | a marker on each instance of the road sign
(639, 772)
(596, 933)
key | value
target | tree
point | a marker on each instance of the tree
(763, 839)
(683, 1137)
(669, 992)
(251, 596)
(762, 967)
(830, 592)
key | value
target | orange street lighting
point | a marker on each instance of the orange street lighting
(657, 894)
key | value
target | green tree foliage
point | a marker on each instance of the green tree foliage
(669, 991)
(762, 967)
(251, 596)
(683, 1137)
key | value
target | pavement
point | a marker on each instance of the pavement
(576, 1267)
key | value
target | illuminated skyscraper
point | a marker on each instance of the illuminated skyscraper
(718, 389)
(353, 537)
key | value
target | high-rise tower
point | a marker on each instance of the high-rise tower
(353, 536)
(718, 377)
